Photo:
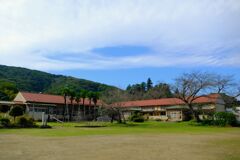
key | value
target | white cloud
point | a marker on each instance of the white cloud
(35, 33)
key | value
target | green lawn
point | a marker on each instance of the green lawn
(136, 141)
(70, 129)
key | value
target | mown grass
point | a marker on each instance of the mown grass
(152, 127)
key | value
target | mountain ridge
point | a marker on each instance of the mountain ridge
(38, 81)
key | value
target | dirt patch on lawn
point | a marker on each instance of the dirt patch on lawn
(123, 147)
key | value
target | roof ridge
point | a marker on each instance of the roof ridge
(206, 96)
(40, 93)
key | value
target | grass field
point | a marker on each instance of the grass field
(148, 140)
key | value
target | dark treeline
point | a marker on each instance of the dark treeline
(14, 79)
(147, 90)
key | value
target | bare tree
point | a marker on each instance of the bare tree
(238, 91)
(191, 86)
(113, 104)
(229, 89)
(223, 83)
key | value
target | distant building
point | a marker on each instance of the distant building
(167, 109)
(173, 109)
(53, 105)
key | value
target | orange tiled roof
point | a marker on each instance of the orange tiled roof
(48, 98)
(168, 101)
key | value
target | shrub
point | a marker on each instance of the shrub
(25, 122)
(4, 108)
(224, 118)
(207, 122)
(45, 126)
(16, 111)
(5, 122)
(136, 117)
(139, 119)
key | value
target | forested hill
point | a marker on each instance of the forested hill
(36, 81)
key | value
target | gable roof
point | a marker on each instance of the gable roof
(212, 98)
(44, 98)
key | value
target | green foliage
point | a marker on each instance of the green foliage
(65, 91)
(8, 90)
(72, 95)
(4, 108)
(83, 93)
(207, 122)
(230, 102)
(4, 122)
(149, 84)
(148, 91)
(25, 122)
(21, 122)
(136, 117)
(16, 111)
(224, 118)
(90, 95)
(161, 90)
(95, 97)
(16, 78)
(78, 97)
(218, 119)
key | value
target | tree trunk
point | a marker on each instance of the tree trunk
(124, 120)
(64, 107)
(119, 117)
(84, 109)
(79, 111)
(94, 112)
(112, 117)
(194, 113)
(89, 109)
(70, 111)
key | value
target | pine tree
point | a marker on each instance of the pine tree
(149, 84)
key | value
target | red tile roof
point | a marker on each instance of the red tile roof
(48, 98)
(168, 101)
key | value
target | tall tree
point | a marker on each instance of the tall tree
(143, 87)
(8, 90)
(78, 100)
(192, 86)
(71, 108)
(95, 99)
(65, 93)
(149, 84)
(161, 90)
(90, 96)
(16, 111)
(113, 104)
(129, 87)
(223, 83)
(84, 94)
(228, 89)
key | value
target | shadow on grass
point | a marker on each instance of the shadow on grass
(90, 126)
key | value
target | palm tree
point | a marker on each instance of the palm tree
(95, 98)
(90, 96)
(78, 99)
(84, 94)
(65, 93)
(71, 109)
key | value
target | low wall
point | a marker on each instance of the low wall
(162, 118)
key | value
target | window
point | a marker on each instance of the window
(162, 113)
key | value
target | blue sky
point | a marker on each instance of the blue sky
(122, 77)
(122, 41)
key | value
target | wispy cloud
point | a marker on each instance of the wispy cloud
(64, 34)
